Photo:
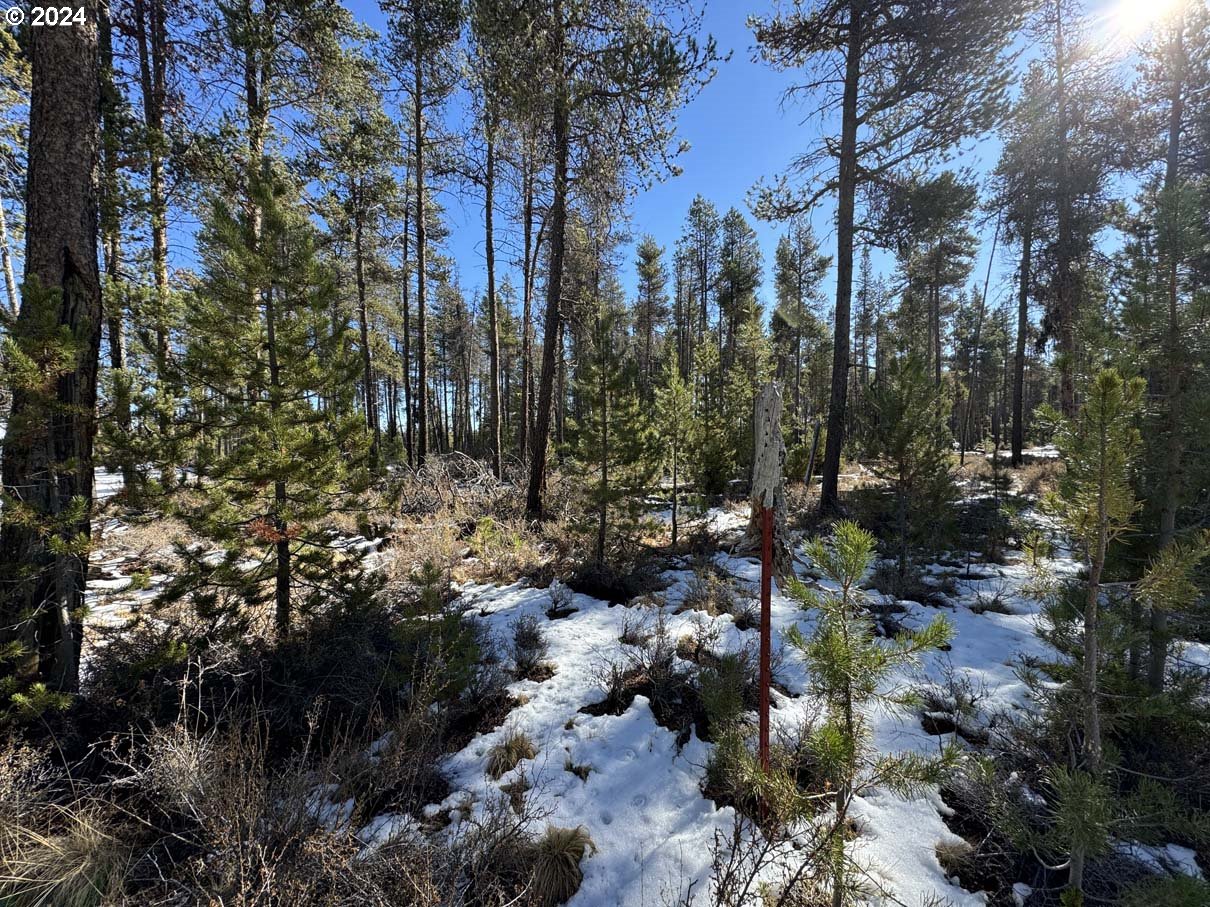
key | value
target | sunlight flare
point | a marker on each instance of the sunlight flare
(1134, 18)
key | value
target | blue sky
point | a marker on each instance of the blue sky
(739, 132)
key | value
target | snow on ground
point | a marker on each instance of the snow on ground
(642, 801)
(715, 520)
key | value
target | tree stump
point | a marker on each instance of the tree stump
(768, 486)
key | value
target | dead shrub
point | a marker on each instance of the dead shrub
(708, 591)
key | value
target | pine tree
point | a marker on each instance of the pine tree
(353, 157)
(912, 442)
(614, 438)
(798, 272)
(709, 464)
(609, 112)
(52, 354)
(914, 80)
(650, 309)
(849, 668)
(739, 277)
(927, 222)
(1097, 503)
(422, 36)
(1022, 196)
(674, 420)
(1175, 77)
(278, 435)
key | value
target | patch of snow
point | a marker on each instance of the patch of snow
(385, 829)
(332, 814)
(1170, 858)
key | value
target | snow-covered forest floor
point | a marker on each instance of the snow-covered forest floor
(600, 758)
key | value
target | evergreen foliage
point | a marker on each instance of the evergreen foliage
(849, 668)
(279, 445)
(911, 441)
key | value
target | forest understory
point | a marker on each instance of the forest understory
(502, 720)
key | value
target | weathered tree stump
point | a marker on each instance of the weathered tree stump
(768, 485)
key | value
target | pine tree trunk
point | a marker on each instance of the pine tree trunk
(281, 595)
(935, 317)
(10, 282)
(422, 409)
(493, 318)
(1173, 442)
(367, 355)
(1092, 709)
(111, 237)
(829, 499)
(1064, 256)
(527, 292)
(675, 490)
(1018, 440)
(151, 33)
(408, 414)
(560, 401)
(554, 286)
(393, 403)
(47, 454)
(603, 365)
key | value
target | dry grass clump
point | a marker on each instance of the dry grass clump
(709, 592)
(954, 855)
(413, 544)
(508, 753)
(63, 856)
(1040, 477)
(977, 468)
(145, 540)
(557, 857)
(504, 549)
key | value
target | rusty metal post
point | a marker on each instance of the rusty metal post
(766, 633)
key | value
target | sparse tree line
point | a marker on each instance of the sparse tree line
(312, 154)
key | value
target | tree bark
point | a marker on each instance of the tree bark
(281, 595)
(1024, 277)
(1174, 441)
(422, 409)
(111, 237)
(152, 41)
(829, 498)
(6, 259)
(408, 414)
(493, 317)
(1092, 708)
(527, 293)
(47, 454)
(367, 355)
(554, 284)
(603, 365)
(1066, 290)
